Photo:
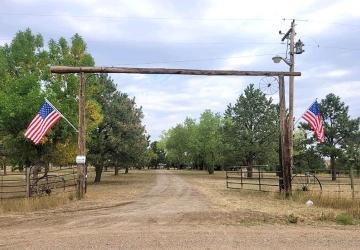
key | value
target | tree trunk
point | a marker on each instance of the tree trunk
(98, 172)
(116, 170)
(211, 169)
(126, 169)
(332, 167)
(5, 169)
(250, 169)
(211, 166)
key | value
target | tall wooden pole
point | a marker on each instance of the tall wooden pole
(291, 98)
(283, 134)
(81, 139)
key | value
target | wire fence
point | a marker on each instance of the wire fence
(345, 184)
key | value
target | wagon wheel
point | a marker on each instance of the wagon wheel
(305, 182)
(269, 85)
(54, 183)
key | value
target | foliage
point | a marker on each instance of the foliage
(120, 138)
(114, 131)
(344, 219)
(23, 64)
(157, 154)
(338, 126)
(253, 127)
(291, 218)
(305, 154)
(248, 132)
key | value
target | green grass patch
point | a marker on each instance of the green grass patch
(344, 219)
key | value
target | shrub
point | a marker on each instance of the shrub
(344, 219)
(291, 218)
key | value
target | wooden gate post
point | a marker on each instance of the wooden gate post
(352, 182)
(283, 138)
(27, 179)
(80, 187)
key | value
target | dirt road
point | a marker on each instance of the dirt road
(173, 214)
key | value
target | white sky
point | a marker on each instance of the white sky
(208, 34)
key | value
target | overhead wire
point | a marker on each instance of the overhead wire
(235, 19)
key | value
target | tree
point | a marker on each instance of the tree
(177, 142)
(23, 66)
(120, 138)
(253, 128)
(305, 153)
(209, 139)
(157, 154)
(338, 129)
(351, 152)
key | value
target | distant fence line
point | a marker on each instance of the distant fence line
(264, 178)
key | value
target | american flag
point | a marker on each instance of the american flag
(42, 122)
(313, 117)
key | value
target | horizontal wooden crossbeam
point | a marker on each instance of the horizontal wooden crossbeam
(131, 70)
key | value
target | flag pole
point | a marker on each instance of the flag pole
(61, 115)
(304, 113)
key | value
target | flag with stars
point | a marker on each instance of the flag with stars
(42, 122)
(313, 117)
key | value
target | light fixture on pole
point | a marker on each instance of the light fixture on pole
(278, 59)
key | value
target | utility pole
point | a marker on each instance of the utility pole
(81, 158)
(291, 97)
(290, 34)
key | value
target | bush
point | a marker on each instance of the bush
(344, 219)
(291, 218)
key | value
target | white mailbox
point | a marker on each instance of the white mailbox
(80, 159)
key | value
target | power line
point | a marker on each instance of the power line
(139, 18)
(202, 59)
(176, 18)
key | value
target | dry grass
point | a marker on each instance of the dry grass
(111, 190)
(23, 205)
(233, 200)
(351, 206)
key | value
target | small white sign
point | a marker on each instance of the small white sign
(80, 159)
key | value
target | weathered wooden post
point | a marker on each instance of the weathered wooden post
(241, 178)
(283, 138)
(81, 158)
(27, 180)
(352, 182)
(259, 170)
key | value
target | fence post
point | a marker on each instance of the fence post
(227, 184)
(27, 177)
(352, 183)
(259, 170)
(241, 177)
(1, 186)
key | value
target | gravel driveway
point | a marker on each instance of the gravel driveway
(173, 214)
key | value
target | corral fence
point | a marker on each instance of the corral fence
(261, 177)
(269, 179)
(36, 181)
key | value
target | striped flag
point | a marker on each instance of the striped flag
(313, 117)
(42, 122)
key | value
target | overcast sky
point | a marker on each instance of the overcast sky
(204, 34)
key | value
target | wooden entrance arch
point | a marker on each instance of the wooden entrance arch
(285, 146)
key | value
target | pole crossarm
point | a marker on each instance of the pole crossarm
(131, 70)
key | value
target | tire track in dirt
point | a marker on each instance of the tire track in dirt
(173, 214)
